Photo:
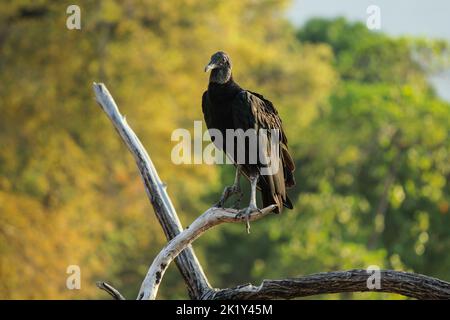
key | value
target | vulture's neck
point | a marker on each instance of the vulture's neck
(220, 75)
(220, 93)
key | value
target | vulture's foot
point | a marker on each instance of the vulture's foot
(227, 193)
(246, 214)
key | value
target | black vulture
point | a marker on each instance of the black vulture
(227, 106)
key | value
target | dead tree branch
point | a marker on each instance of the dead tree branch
(207, 220)
(407, 284)
(110, 290)
(404, 283)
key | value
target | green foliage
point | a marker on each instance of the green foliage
(360, 53)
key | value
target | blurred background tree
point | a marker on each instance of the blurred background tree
(368, 132)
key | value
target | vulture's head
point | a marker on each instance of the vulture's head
(220, 67)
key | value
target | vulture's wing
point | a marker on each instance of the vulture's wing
(208, 115)
(206, 108)
(252, 110)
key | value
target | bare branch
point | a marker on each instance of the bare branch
(404, 283)
(187, 261)
(207, 220)
(111, 290)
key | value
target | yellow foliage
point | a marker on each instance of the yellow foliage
(69, 191)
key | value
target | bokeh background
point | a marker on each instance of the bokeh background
(365, 112)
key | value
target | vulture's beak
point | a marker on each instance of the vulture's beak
(211, 65)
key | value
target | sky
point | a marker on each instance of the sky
(425, 18)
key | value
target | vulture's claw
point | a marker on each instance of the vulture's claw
(246, 214)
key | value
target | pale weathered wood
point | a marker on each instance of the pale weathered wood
(207, 220)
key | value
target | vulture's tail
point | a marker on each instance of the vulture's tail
(273, 187)
(269, 199)
(288, 168)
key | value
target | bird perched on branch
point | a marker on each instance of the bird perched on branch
(227, 108)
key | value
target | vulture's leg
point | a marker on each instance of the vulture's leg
(237, 188)
(230, 190)
(252, 207)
